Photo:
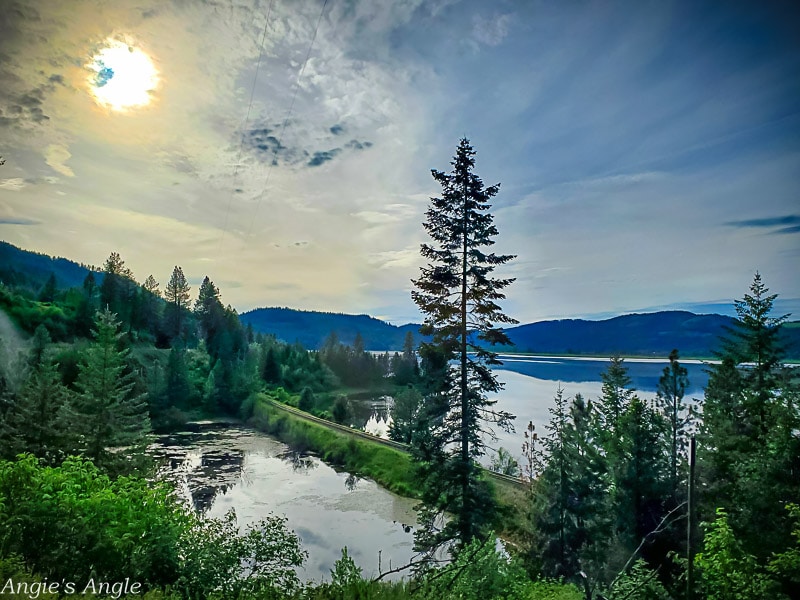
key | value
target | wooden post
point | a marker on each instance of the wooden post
(690, 523)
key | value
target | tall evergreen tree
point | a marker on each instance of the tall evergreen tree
(107, 413)
(571, 514)
(669, 397)
(210, 315)
(458, 297)
(48, 291)
(749, 452)
(177, 297)
(116, 287)
(37, 422)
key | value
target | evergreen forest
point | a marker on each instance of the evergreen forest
(619, 498)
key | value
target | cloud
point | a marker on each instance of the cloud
(18, 221)
(14, 184)
(322, 157)
(55, 156)
(490, 31)
(356, 145)
(783, 225)
(768, 222)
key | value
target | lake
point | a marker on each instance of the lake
(237, 468)
(240, 469)
(531, 383)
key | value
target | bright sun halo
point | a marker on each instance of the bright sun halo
(123, 76)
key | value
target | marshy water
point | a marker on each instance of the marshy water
(252, 473)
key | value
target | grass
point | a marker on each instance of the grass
(393, 469)
(389, 467)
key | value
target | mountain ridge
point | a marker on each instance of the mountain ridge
(639, 333)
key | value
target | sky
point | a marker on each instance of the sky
(648, 151)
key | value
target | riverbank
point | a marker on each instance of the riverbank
(390, 467)
(386, 462)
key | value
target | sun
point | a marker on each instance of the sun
(123, 76)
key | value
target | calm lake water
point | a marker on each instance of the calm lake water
(531, 383)
(253, 474)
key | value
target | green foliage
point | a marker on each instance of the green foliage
(479, 572)
(106, 411)
(73, 522)
(669, 398)
(345, 571)
(639, 583)
(177, 310)
(307, 400)
(216, 559)
(749, 449)
(727, 571)
(341, 409)
(390, 468)
(786, 565)
(405, 414)
(38, 422)
(504, 463)
(570, 512)
(458, 296)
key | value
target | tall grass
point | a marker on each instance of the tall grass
(390, 468)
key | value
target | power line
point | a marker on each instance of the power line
(286, 120)
(244, 125)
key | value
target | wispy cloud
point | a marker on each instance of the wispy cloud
(18, 221)
(784, 224)
(14, 184)
(490, 31)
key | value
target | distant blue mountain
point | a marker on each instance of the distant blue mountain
(642, 334)
(654, 333)
(651, 334)
(312, 328)
(32, 268)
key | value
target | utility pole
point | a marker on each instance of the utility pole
(690, 523)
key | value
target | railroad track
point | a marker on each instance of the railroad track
(507, 479)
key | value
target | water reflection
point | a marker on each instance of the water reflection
(644, 373)
(254, 474)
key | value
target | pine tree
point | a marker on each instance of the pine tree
(37, 421)
(669, 398)
(458, 296)
(749, 451)
(106, 412)
(116, 287)
(177, 297)
(570, 511)
(48, 291)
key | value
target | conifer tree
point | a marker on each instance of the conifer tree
(177, 297)
(37, 421)
(749, 450)
(571, 515)
(106, 412)
(48, 291)
(458, 296)
(669, 397)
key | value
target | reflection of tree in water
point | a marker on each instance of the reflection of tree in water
(218, 471)
(365, 411)
(201, 473)
(351, 482)
(300, 462)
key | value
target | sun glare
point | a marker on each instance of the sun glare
(123, 76)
